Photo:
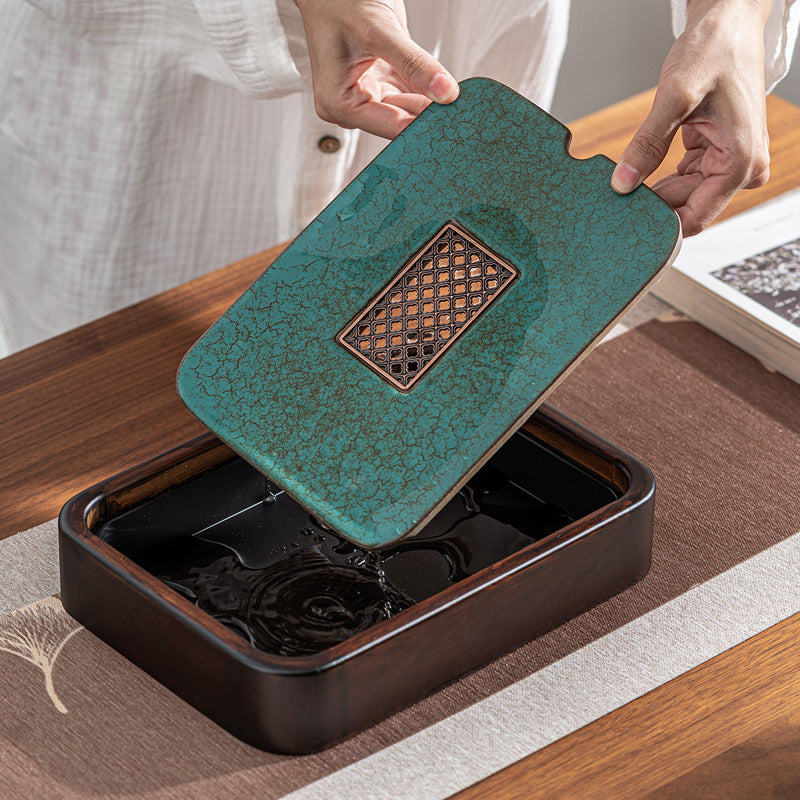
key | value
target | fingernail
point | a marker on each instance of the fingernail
(443, 88)
(625, 178)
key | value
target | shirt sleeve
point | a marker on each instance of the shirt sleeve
(250, 45)
(780, 35)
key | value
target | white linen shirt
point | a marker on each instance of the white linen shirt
(145, 142)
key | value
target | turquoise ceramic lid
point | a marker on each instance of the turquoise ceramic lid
(423, 315)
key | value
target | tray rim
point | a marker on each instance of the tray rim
(86, 511)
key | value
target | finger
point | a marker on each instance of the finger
(651, 142)
(692, 161)
(382, 119)
(423, 73)
(360, 107)
(705, 203)
(414, 104)
(759, 180)
(676, 189)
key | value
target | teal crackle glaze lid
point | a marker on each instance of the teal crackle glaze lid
(425, 313)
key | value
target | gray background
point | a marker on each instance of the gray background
(615, 49)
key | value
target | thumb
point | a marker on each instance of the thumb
(649, 146)
(420, 70)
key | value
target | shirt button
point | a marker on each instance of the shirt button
(329, 144)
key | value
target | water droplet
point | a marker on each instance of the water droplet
(470, 503)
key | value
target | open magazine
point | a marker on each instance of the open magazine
(741, 279)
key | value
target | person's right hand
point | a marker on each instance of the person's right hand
(712, 88)
(367, 71)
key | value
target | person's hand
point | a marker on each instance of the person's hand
(366, 70)
(712, 87)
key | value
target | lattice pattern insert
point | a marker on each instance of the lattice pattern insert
(434, 299)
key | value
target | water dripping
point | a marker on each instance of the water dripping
(311, 590)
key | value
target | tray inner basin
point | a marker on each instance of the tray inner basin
(244, 551)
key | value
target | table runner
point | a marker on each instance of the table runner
(722, 436)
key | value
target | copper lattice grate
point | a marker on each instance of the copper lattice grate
(434, 299)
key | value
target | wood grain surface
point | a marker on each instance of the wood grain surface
(91, 402)
(766, 764)
(695, 725)
(84, 405)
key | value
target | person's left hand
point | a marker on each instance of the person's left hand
(712, 87)
(367, 71)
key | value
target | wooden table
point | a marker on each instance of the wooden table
(100, 398)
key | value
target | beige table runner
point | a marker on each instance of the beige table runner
(722, 436)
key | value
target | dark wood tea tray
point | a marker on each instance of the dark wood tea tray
(558, 521)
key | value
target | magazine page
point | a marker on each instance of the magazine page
(753, 261)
